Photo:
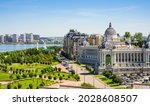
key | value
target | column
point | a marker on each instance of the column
(121, 57)
(134, 57)
(140, 56)
(118, 57)
(131, 56)
(124, 57)
(148, 59)
(104, 59)
(127, 57)
(114, 57)
(137, 57)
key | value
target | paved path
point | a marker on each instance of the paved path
(87, 77)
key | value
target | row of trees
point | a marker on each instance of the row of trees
(30, 56)
(113, 77)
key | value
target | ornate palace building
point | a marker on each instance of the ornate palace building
(114, 55)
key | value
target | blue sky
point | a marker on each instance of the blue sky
(56, 17)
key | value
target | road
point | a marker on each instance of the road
(88, 77)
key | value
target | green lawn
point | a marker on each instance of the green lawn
(25, 83)
(4, 76)
(28, 66)
(107, 80)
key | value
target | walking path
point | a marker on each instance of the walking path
(88, 77)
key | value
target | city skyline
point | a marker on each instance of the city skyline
(56, 17)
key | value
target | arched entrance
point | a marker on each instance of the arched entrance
(108, 59)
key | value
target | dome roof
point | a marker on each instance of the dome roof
(110, 31)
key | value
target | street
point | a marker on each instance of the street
(87, 77)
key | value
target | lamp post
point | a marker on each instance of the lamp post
(93, 78)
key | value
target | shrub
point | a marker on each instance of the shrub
(30, 86)
(24, 76)
(31, 75)
(9, 86)
(19, 86)
(107, 73)
(55, 78)
(49, 77)
(18, 77)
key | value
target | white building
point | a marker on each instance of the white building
(29, 38)
(22, 38)
(14, 37)
(2, 38)
(116, 56)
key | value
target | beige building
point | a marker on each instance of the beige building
(72, 41)
(95, 39)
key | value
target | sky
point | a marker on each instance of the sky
(55, 17)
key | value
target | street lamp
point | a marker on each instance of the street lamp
(93, 78)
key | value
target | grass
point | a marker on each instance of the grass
(107, 80)
(28, 66)
(64, 75)
(4, 76)
(25, 83)
(148, 83)
(87, 86)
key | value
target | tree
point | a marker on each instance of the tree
(49, 77)
(11, 76)
(55, 78)
(139, 38)
(31, 86)
(19, 86)
(9, 86)
(24, 75)
(15, 87)
(31, 75)
(40, 75)
(18, 77)
(59, 69)
(72, 72)
(127, 35)
(60, 78)
(35, 75)
(77, 77)
(107, 73)
(116, 79)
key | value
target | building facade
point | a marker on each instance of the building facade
(72, 41)
(116, 56)
(95, 39)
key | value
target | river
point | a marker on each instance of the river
(13, 47)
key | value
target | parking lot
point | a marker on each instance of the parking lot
(140, 79)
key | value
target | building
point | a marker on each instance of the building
(72, 41)
(116, 56)
(14, 37)
(95, 39)
(22, 38)
(2, 38)
(7, 38)
(36, 37)
(29, 37)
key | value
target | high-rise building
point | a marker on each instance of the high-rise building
(2, 38)
(29, 37)
(22, 38)
(7, 38)
(14, 37)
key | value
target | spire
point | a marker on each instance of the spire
(110, 25)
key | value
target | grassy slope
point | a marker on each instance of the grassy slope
(25, 83)
(4, 76)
